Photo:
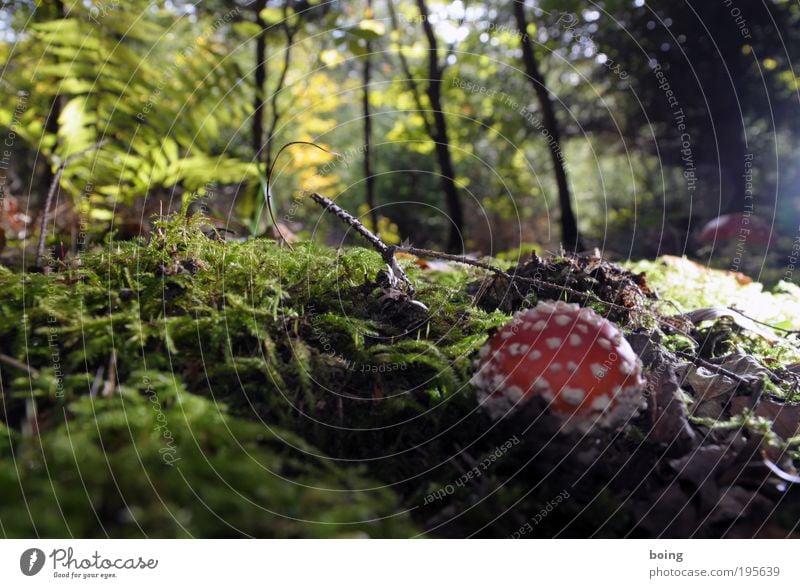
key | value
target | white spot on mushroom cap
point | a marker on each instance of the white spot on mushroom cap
(514, 393)
(589, 315)
(535, 354)
(519, 349)
(572, 366)
(575, 340)
(626, 368)
(583, 328)
(601, 402)
(541, 385)
(573, 396)
(555, 366)
(598, 371)
(604, 343)
(562, 319)
(553, 342)
(545, 308)
(539, 325)
(506, 334)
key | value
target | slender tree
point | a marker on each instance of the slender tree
(369, 180)
(54, 113)
(439, 134)
(410, 81)
(570, 237)
(289, 31)
(260, 75)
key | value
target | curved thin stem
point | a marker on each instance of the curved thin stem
(268, 186)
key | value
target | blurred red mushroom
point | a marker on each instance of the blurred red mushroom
(574, 359)
(747, 228)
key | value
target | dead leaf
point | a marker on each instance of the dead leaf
(670, 423)
(698, 468)
(714, 312)
(667, 514)
(705, 383)
(744, 366)
(737, 502)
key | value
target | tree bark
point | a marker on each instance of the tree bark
(410, 81)
(260, 74)
(368, 177)
(728, 142)
(447, 172)
(51, 122)
(570, 237)
(276, 114)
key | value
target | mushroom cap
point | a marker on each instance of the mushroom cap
(728, 227)
(574, 359)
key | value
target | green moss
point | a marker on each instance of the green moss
(302, 398)
(689, 285)
(159, 462)
(255, 340)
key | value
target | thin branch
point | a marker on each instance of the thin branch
(349, 219)
(386, 251)
(268, 185)
(775, 327)
(711, 366)
(451, 257)
(515, 278)
(15, 363)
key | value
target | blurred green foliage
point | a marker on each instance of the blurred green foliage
(168, 88)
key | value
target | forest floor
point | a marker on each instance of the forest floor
(195, 387)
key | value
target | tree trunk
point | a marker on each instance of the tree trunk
(260, 74)
(276, 113)
(368, 178)
(570, 237)
(728, 142)
(454, 241)
(410, 81)
(51, 122)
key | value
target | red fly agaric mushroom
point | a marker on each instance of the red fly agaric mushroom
(730, 227)
(574, 359)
